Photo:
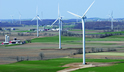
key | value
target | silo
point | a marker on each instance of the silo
(5, 38)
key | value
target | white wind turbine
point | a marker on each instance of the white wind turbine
(37, 17)
(60, 23)
(12, 18)
(83, 28)
(111, 16)
(20, 17)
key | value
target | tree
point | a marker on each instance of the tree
(41, 56)
(1, 28)
(92, 50)
(101, 49)
(79, 51)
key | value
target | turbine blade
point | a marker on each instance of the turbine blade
(88, 9)
(58, 10)
(39, 18)
(109, 15)
(42, 15)
(54, 21)
(112, 14)
(74, 14)
(19, 13)
(36, 10)
(33, 18)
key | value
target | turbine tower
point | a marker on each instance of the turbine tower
(83, 28)
(37, 17)
(60, 23)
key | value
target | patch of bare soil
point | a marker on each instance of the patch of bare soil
(46, 46)
(76, 66)
(9, 55)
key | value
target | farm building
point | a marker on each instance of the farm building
(14, 41)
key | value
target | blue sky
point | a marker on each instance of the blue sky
(49, 8)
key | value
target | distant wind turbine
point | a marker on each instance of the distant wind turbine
(83, 28)
(60, 24)
(111, 16)
(37, 17)
(20, 17)
(12, 18)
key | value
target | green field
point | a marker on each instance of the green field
(76, 40)
(68, 26)
(87, 43)
(80, 30)
(104, 39)
(54, 65)
(25, 31)
(110, 38)
(115, 68)
(107, 32)
(75, 30)
(107, 53)
(55, 39)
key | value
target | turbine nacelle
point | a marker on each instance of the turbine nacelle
(60, 17)
(84, 17)
(37, 15)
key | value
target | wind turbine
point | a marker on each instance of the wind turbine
(111, 16)
(37, 17)
(60, 21)
(20, 17)
(83, 28)
(12, 18)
